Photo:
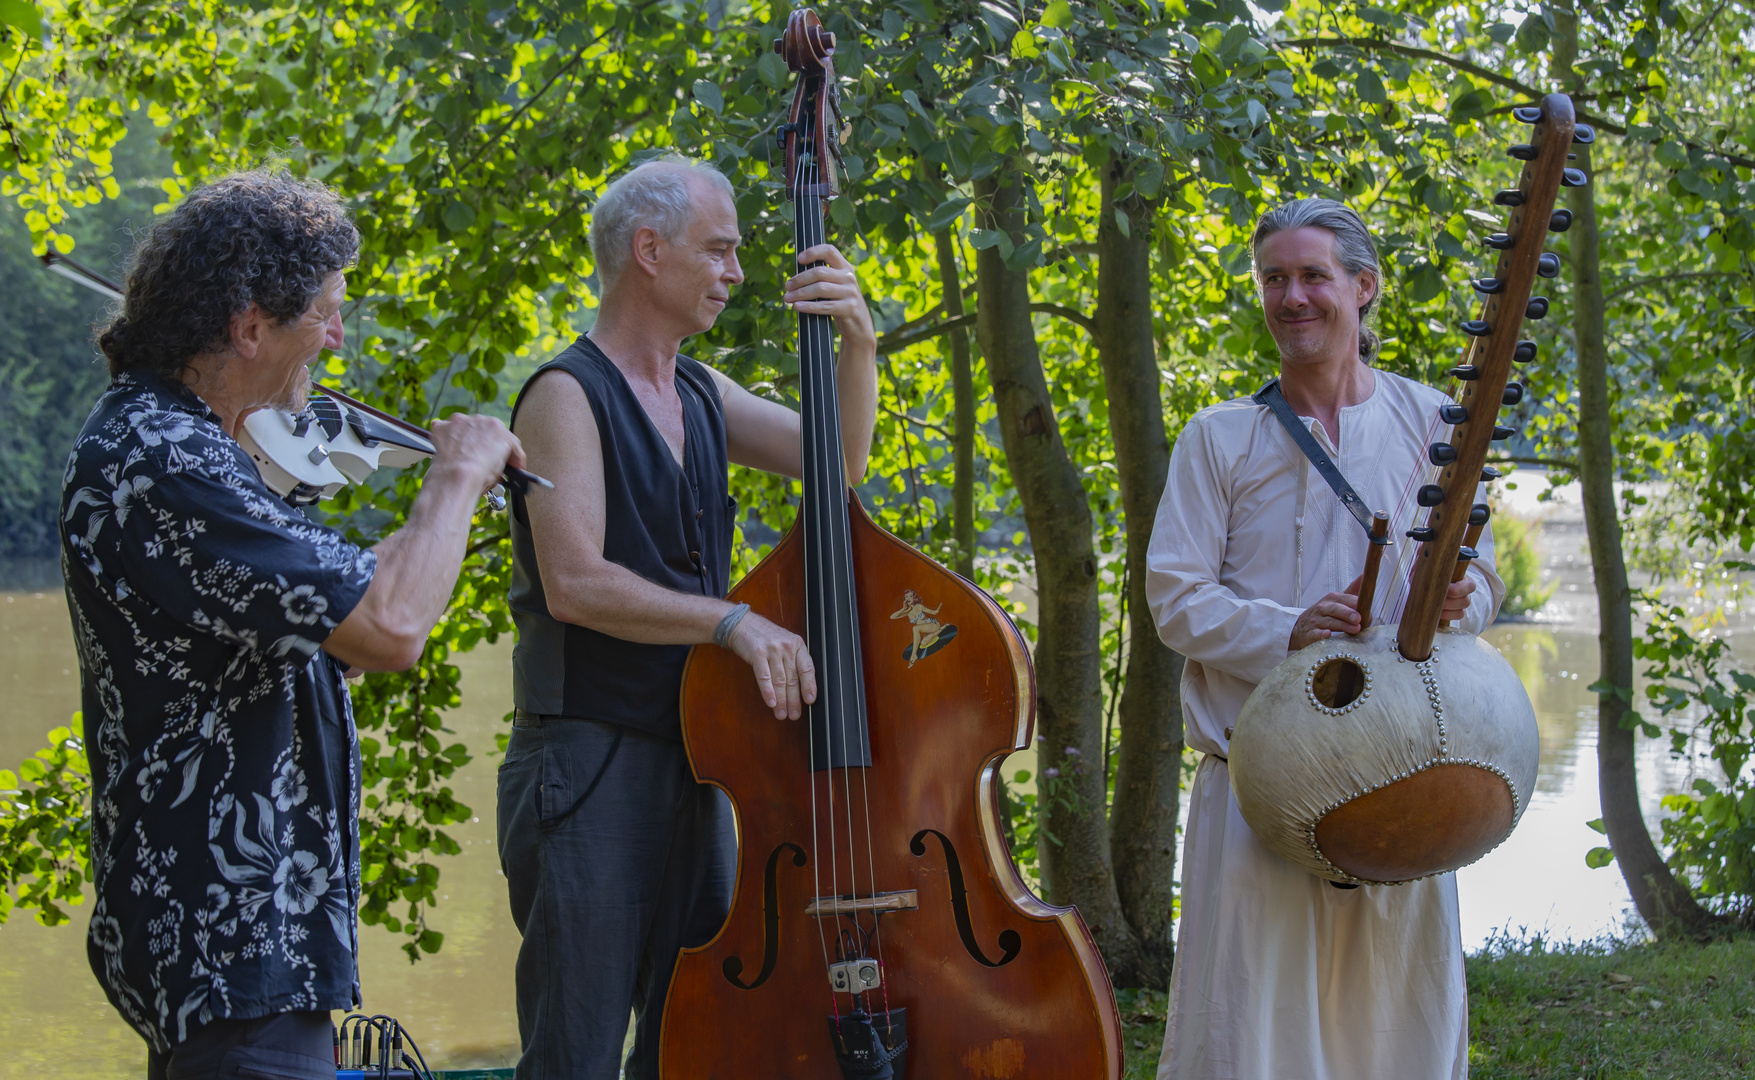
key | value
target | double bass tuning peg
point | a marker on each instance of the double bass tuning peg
(1523, 152)
(1488, 286)
(1529, 114)
(1583, 134)
(1509, 197)
(1548, 265)
(1573, 178)
(1429, 495)
(1499, 241)
(1537, 308)
(1560, 221)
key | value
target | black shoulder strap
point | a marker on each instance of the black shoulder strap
(1271, 396)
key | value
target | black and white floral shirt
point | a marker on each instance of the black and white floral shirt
(225, 765)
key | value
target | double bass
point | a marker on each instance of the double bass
(879, 928)
(1411, 749)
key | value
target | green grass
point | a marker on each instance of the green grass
(1628, 1012)
(1645, 1011)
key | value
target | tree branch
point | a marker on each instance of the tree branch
(917, 422)
(895, 341)
(1601, 123)
(1661, 278)
(578, 57)
(1069, 314)
(1546, 463)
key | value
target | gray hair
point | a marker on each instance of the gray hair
(1353, 245)
(654, 195)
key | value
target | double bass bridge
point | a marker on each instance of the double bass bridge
(877, 904)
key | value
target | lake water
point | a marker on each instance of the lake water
(55, 1023)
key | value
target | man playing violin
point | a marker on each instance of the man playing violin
(1278, 973)
(214, 624)
(614, 857)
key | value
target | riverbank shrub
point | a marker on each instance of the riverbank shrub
(1695, 686)
(1519, 566)
(45, 851)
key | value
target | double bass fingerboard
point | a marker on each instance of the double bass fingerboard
(837, 718)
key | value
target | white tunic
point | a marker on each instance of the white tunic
(1279, 975)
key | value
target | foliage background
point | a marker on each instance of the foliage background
(472, 140)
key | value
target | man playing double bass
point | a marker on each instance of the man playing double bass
(1279, 973)
(614, 857)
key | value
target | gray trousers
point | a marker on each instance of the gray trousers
(287, 1046)
(615, 859)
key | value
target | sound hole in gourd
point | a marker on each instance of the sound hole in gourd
(1338, 682)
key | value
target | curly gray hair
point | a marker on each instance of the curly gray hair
(654, 195)
(1353, 246)
(259, 237)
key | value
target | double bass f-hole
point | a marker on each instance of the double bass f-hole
(1009, 941)
(733, 966)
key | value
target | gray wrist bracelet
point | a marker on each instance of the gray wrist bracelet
(722, 632)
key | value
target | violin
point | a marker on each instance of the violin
(335, 440)
(879, 928)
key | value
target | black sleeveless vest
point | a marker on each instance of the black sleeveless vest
(669, 524)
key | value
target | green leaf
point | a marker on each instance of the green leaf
(1598, 857)
(22, 14)
(458, 215)
(1370, 88)
(946, 213)
(1122, 225)
(708, 95)
(1599, 826)
(771, 70)
(982, 239)
(1058, 14)
(8, 780)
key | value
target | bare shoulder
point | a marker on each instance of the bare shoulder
(552, 399)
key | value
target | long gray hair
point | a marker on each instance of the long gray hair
(1353, 245)
(654, 195)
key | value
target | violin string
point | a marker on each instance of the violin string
(812, 612)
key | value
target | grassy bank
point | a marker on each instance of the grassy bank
(1644, 1012)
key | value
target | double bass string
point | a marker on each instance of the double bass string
(811, 511)
(842, 690)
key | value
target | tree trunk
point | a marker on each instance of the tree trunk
(1666, 905)
(1148, 781)
(1069, 694)
(963, 411)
